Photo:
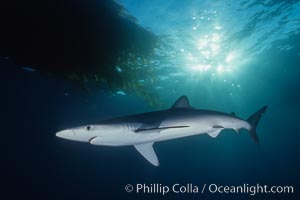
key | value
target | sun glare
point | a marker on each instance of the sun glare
(208, 53)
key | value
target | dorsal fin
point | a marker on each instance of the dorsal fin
(182, 102)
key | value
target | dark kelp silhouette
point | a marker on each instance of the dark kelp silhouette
(92, 43)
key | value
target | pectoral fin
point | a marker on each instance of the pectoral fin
(148, 152)
(157, 129)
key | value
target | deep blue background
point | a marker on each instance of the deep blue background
(37, 165)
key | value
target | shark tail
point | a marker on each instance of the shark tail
(253, 120)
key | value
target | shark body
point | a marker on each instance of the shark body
(143, 130)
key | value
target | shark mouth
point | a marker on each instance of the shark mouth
(90, 140)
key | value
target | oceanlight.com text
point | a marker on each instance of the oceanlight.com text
(190, 188)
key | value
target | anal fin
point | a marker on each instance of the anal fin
(214, 133)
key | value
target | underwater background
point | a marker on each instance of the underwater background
(229, 56)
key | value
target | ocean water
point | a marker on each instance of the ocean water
(229, 56)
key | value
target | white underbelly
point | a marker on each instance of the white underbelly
(124, 138)
(167, 134)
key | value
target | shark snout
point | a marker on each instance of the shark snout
(66, 134)
(75, 134)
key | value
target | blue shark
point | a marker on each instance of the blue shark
(143, 130)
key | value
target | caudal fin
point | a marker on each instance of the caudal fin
(253, 120)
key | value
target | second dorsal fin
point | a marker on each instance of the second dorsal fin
(182, 102)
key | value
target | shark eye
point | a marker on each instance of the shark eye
(88, 128)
